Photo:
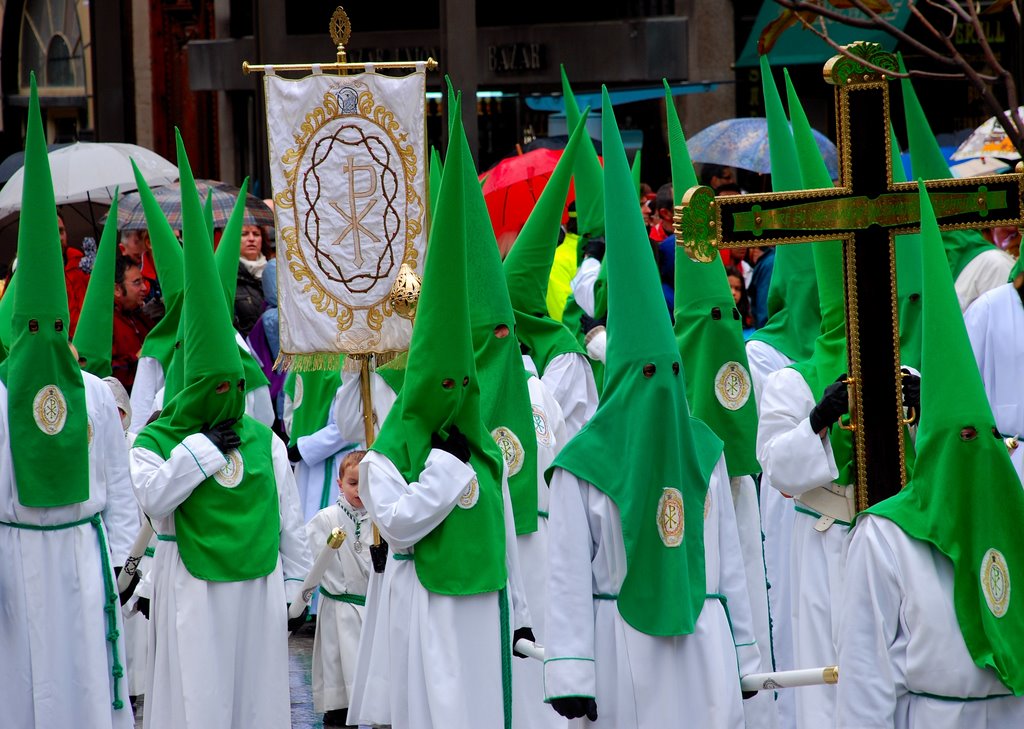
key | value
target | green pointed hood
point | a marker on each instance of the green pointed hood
(504, 395)
(229, 249)
(927, 162)
(528, 265)
(46, 411)
(828, 359)
(442, 389)
(226, 257)
(634, 170)
(793, 316)
(965, 497)
(436, 168)
(228, 529)
(909, 281)
(94, 338)
(6, 319)
(586, 172)
(709, 332)
(167, 257)
(644, 416)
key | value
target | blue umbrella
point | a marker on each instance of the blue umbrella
(744, 143)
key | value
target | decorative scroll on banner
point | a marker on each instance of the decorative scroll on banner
(347, 167)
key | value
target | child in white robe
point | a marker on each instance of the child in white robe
(343, 594)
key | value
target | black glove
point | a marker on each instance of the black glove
(588, 322)
(519, 634)
(143, 605)
(223, 437)
(834, 403)
(573, 707)
(748, 694)
(299, 620)
(456, 444)
(127, 594)
(912, 394)
(293, 453)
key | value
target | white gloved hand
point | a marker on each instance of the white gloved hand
(597, 343)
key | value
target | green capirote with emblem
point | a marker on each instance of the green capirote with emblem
(660, 488)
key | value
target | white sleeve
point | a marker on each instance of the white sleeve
(732, 575)
(296, 561)
(569, 621)
(149, 377)
(869, 621)
(259, 406)
(121, 512)
(160, 486)
(583, 284)
(348, 406)
(517, 593)
(570, 380)
(794, 458)
(289, 414)
(407, 512)
(327, 441)
(976, 320)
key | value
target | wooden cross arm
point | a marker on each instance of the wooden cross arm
(706, 224)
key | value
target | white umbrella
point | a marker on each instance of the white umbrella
(90, 171)
(989, 140)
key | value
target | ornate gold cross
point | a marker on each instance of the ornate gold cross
(866, 211)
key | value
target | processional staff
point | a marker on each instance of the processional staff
(866, 210)
(404, 293)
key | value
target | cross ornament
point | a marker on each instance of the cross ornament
(866, 210)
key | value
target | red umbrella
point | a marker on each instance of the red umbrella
(511, 189)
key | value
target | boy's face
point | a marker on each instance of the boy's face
(349, 485)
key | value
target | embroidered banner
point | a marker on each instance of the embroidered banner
(347, 159)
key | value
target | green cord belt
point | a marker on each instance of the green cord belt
(344, 597)
(110, 598)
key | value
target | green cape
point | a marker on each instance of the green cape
(528, 266)
(465, 554)
(965, 497)
(660, 490)
(829, 359)
(793, 315)
(927, 162)
(709, 332)
(94, 337)
(312, 394)
(46, 409)
(228, 529)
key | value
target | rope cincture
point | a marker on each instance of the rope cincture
(110, 600)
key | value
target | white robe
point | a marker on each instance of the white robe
(444, 653)
(147, 393)
(641, 681)
(339, 623)
(795, 460)
(529, 710)
(986, 271)
(348, 406)
(570, 380)
(899, 639)
(317, 473)
(583, 284)
(219, 650)
(777, 517)
(995, 324)
(55, 661)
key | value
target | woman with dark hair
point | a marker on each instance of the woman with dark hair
(249, 302)
(739, 295)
